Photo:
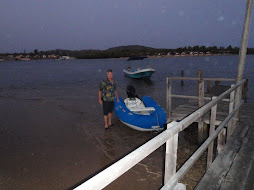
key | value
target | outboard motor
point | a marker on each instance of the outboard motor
(131, 91)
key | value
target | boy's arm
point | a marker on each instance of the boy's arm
(99, 95)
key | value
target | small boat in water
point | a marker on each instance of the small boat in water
(140, 114)
(136, 72)
(139, 73)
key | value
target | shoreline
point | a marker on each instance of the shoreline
(150, 56)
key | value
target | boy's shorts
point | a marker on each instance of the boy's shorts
(108, 107)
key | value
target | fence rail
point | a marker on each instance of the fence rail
(170, 137)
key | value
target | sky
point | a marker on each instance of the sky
(101, 24)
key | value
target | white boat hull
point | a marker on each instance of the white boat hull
(141, 73)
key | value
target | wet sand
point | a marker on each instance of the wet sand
(48, 146)
(42, 147)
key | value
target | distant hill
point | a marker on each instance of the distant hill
(130, 48)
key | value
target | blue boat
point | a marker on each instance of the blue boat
(140, 114)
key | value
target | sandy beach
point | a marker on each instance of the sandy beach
(42, 147)
(46, 147)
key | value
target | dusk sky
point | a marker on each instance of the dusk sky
(102, 24)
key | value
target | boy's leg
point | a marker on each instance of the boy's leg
(109, 118)
(105, 121)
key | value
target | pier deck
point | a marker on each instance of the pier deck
(233, 168)
(186, 109)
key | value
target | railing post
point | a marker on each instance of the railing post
(221, 140)
(208, 86)
(242, 51)
(182, 75)
(231, 123)
(171, 155)
(201, 102)
(212, 129)
(201, 93)
(168, 99)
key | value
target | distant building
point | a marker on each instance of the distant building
(52, 56)
(10, 57)
(64, 57)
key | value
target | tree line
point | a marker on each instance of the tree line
(127, 51)
(135, 50)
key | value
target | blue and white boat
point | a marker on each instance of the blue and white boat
(140, 114)
(138, 68)
(139, 73)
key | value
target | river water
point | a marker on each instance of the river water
(51, 130)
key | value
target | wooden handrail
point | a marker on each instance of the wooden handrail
(206, 79)
(191, 161)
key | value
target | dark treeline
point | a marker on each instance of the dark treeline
(135, 50)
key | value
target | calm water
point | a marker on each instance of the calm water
(77, 80)
(70, 89)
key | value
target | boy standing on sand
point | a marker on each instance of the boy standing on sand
(107, 93)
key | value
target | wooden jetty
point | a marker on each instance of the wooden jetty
(233, 168)
(195, 102)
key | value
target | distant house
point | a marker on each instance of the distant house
(36, 57)
(52, 56)
(64, 57)
(10, 57)
(22, 58)
(183, 54)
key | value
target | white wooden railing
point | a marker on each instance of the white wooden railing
(170, 137)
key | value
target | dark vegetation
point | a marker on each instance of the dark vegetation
(132, 50)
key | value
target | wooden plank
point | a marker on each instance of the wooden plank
(221, 165)
(196, 78)
(220, 79)
(241, 174)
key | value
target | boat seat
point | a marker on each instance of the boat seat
(142, 109)
(137, 106)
